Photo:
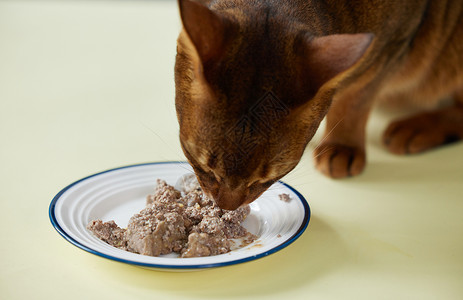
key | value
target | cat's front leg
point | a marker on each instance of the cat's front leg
(426, 130)
(342, 150)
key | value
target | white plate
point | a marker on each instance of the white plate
(119, 193)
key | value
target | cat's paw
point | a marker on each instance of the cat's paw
(339, 161)
(424, 131)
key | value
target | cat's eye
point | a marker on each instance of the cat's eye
(212, 161)
(266, 184)
(209, 175)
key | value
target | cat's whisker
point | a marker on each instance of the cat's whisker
(323, 152)
(188, 170)
(296, 185)
(180, 158)
(175, 151)
(300, 173)
(298, 180)
(328, 134)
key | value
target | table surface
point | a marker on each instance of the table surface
(87, 86)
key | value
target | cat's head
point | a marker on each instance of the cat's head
(251, 90)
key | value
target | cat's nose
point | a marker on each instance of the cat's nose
(230, 199)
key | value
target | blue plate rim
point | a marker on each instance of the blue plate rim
(66, 236)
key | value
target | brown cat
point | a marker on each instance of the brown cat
(254, 78)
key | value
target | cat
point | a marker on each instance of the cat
(254, 79)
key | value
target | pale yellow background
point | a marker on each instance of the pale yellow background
(86, 86)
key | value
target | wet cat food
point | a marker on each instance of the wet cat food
(177, 220)
(285, 197)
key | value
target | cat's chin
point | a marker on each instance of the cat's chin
(228, 199)
(232, 198)
(222, 203)
(230, 206)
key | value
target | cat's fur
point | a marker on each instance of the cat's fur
(254, 78)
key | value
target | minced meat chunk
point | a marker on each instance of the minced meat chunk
(285, 197)
(109, 232)
(203, 244)
(153, 234)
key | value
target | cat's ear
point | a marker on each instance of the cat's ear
(328, 56)
(206, 29)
